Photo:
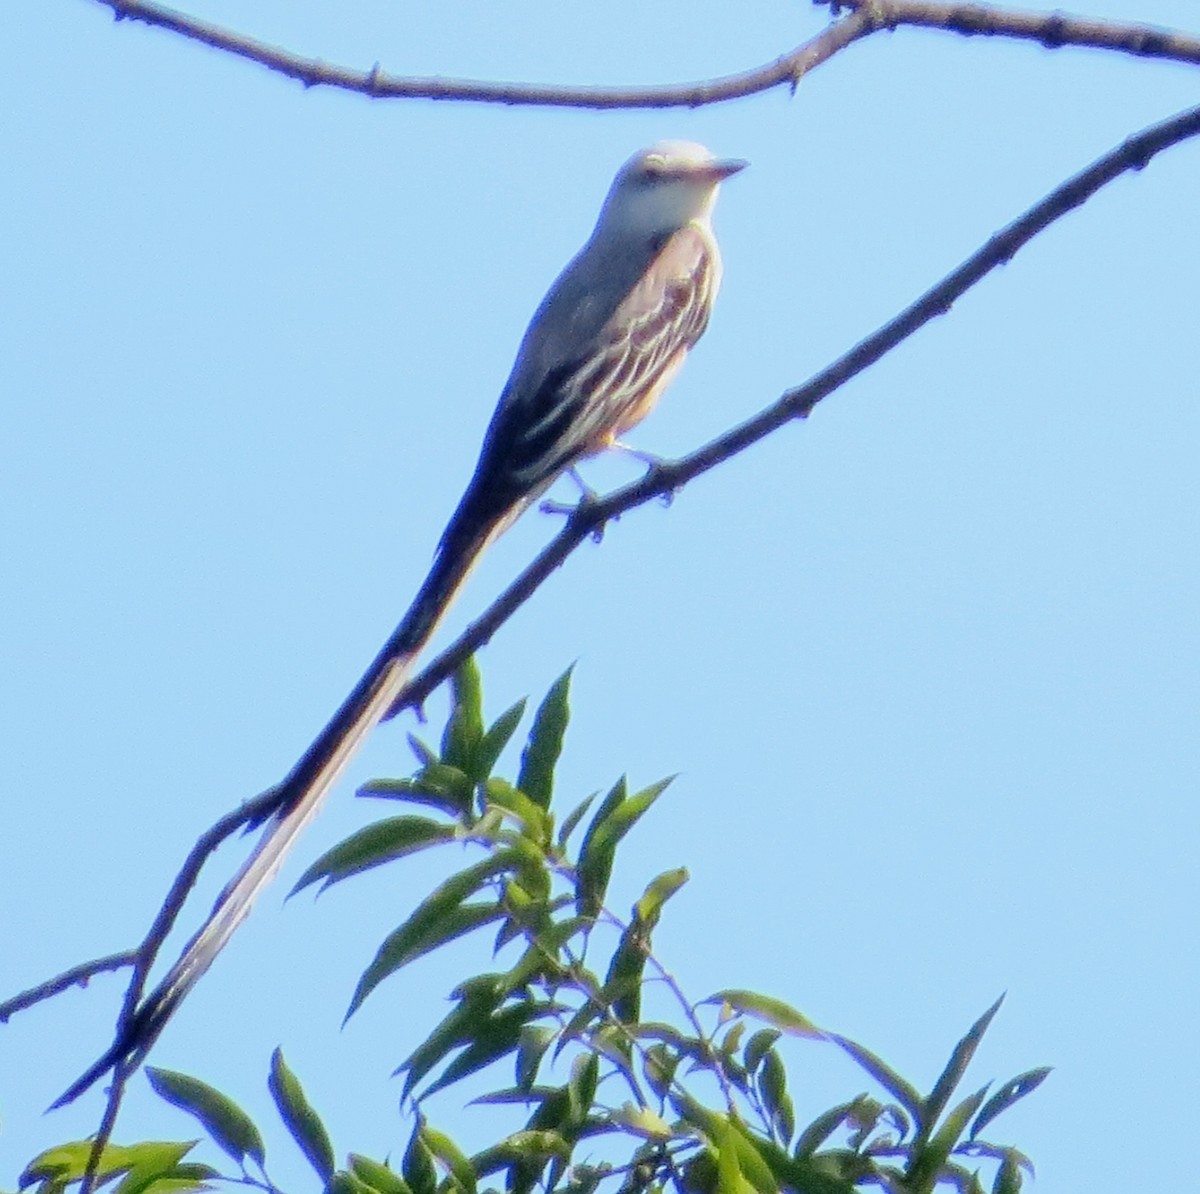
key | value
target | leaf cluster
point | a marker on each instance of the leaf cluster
(695, 1099)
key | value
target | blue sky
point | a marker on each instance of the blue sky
(926, 664)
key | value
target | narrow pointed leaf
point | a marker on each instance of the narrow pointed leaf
(497, 738)
(445, 1150)
(623, 983)
(436, 785)
(424, 752)
(950, 1077)
(585, 1074)
(772, 1085)
(1016, 1088)
(657, 893)
(643, 1122)
(659, 1064)
(573, 818)
(616, 817)
(534, 1042)
(501, 1034)
(1008, 1177)
(464, 730)
(903, 1092)
(532, 818)
(385, 841)
(231, 1129)
(757, 1046)
(823, 1127)
(299, 1117)
(928, 1160)
(439, 918)
(765, 1007)
(540, 756)
(347, 1182)
(377, 1175)
(418, 1168)
(458, 1027)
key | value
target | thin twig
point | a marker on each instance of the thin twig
(1052, 30)
(77, 976)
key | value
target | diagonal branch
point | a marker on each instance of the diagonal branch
(590, 517)
(865, 17)
(77, 976)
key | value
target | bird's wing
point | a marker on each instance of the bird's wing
(610, 383)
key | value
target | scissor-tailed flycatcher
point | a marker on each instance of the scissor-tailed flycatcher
(606, 341)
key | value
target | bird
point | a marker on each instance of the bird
(608, 338)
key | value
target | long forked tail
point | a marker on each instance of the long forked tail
(303, 792)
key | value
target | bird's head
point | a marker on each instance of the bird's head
(665, 187)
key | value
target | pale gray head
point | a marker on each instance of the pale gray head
(664, 188)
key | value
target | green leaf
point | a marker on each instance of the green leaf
(418, 1167)
(497, 738)
(500, 1034)
(757, 1046)
(156, 1165)
(950, 1077)
(464, 730)
(385, 841)
(1008, 1177)
(573, 818)
(445, 1150)
(540, 756)
(478, 1001)
(439, 918)
(616, 817)
(643, 1122)
(425, 753)
(824, 1126)
(532, 1047)
(659, 1064)
(231, 1129)
(346, 1182)
(648, 909)
(535, 1146)
(904, 1093)
(623, 984)
(772, 1085)
(773, 1011)
(533, 819)
(378, 1176)
(927, 1162)
(1014, 1089)
(585, 1074)
(299, 1117)
(436, 784)
(67, 1162)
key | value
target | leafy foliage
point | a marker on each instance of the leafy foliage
(698, 1103)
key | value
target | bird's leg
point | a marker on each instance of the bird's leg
(586, 495)
(649, 459)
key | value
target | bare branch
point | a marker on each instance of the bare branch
(865, 17)
(77, 976)
(1052, 30)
